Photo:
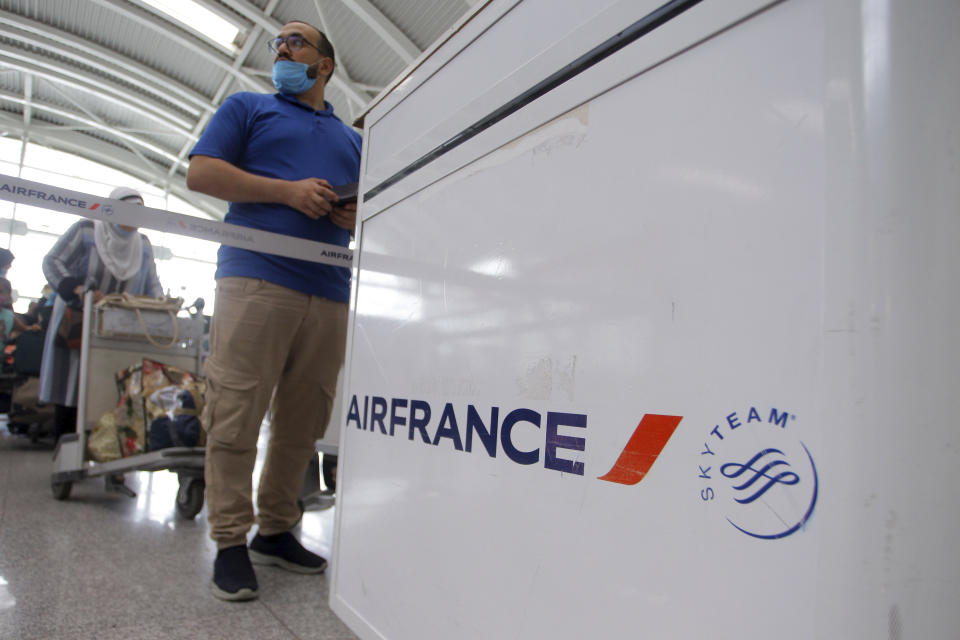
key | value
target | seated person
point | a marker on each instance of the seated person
(10, 324)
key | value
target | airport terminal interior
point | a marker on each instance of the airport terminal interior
(100, 94)
(479, 319)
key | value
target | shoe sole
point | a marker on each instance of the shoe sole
(242, 594)
(264, 559)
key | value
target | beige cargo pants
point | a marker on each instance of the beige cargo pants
(265, 336)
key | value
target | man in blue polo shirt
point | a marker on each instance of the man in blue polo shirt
(279, 323)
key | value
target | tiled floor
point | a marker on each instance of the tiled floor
(105, 566)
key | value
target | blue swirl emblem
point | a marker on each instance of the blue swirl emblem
(753, 468)
(767, 469)
(733, 470)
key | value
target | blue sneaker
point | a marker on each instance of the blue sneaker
(285, 551)
(233, 576)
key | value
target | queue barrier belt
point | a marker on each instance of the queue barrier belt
(36, 194)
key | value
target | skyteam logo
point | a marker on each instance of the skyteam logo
(762, 478)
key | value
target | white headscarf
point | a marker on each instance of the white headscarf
(120, 251)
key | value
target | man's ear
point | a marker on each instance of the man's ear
(322, 68)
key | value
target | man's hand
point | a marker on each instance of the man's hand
(345, 217)
(311, 197)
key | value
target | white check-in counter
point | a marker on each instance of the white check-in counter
(654, 328)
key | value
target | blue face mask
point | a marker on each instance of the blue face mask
(291, 77)
(123, 232)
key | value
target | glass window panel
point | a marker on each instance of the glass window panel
(26, 272)
(9, 168)
(10, 150)
(70, 165)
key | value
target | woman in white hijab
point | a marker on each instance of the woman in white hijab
(97, 256)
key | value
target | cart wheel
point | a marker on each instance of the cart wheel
(190, 498)
(61, 490)
(330, 471)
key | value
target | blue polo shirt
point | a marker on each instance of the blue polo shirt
(277, 136)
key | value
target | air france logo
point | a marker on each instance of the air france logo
(759, 474)
(643, 449)
(512, 433)
(36, 194)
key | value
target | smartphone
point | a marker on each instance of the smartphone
(347, 194)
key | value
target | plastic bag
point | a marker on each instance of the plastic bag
(128, 415)
(148, 391)
(103, 444)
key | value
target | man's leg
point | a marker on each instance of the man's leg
(302, 405)
(251, 334)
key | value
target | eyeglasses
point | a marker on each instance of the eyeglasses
(294, 42)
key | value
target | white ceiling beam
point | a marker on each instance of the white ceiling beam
(254, 14)
(197, 33)
(47, 38)
(169, 31)
(100, 89)
(66, 45)
(352, 105)
(214, 6)
(263, 73)
(114, 157)
(385, 28)
(95, 118)
(372, 88)
(92, 124)
(28, 100)
(242, 56)
(272, 26)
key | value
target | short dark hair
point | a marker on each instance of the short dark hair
(323, 44)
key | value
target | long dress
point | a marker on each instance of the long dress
(75, 256)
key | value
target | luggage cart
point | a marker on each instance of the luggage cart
(112, 339)
(312, 498)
